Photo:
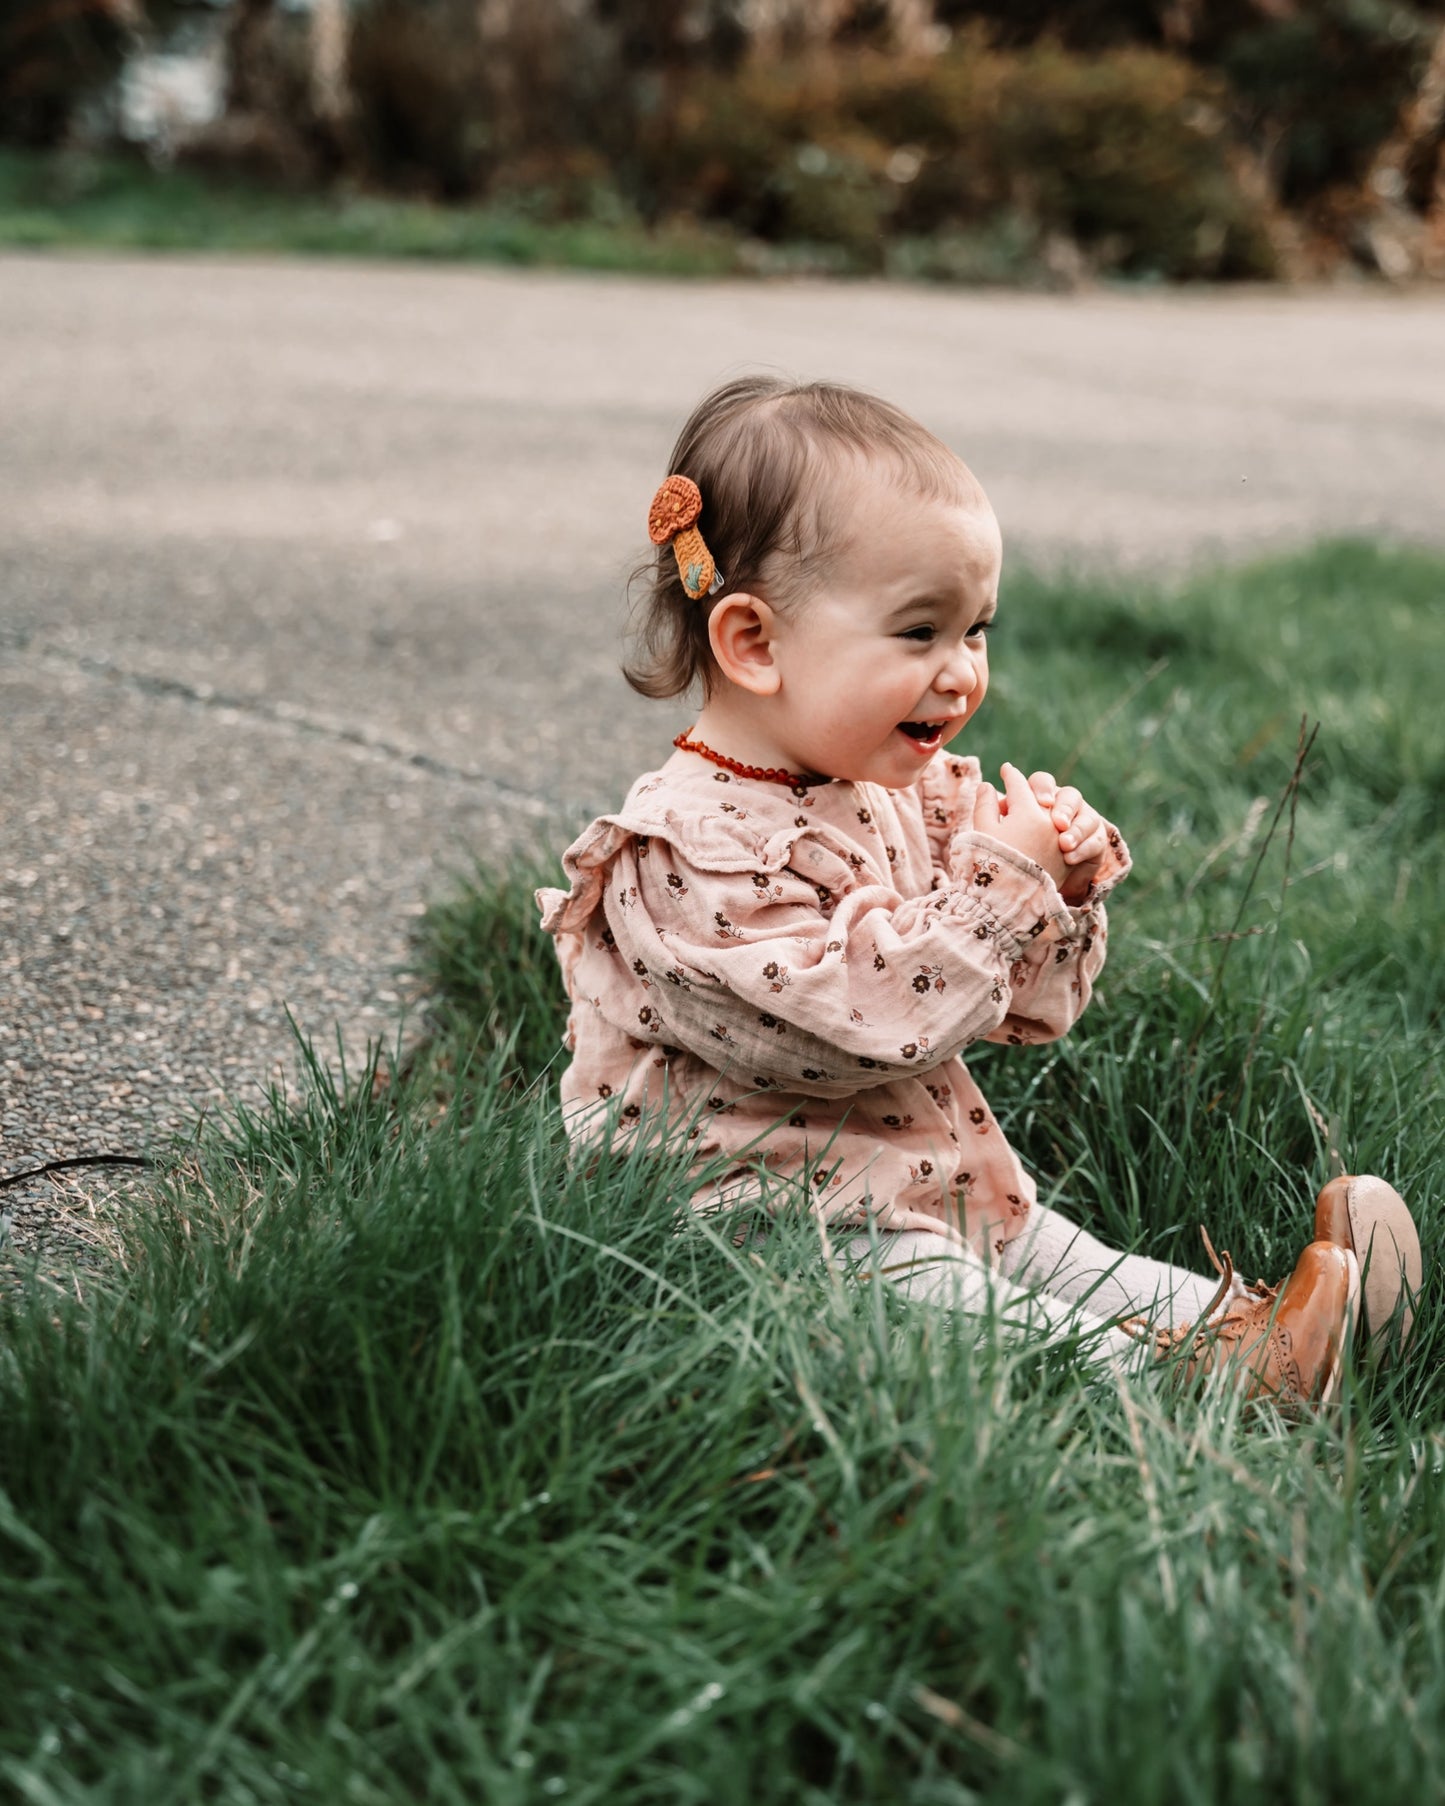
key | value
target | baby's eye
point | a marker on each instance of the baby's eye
(921, 634)
(979, 629)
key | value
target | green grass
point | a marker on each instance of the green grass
(118, 204)
(399, 1461)
(73, 201)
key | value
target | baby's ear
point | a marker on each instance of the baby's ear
(740, 630)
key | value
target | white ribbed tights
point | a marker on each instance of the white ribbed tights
(1054, 1277)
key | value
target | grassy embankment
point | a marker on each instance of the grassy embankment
(398, 1462)
(119, 204)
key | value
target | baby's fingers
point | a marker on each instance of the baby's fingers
(1044, 786)
(1066, 807)
(985, 810)
(1017, 789)
(1084, 822)
(1093, 846)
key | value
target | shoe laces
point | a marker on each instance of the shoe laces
(1239, 1315)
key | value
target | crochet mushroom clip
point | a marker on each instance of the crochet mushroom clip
(672, 518)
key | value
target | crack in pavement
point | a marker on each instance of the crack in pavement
(540, 807)
(134, 993)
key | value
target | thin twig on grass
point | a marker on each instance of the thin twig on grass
(949, 1712)
(1100, 722)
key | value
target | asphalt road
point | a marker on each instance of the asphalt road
(312, 577)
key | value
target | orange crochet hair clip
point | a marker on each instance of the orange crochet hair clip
(672, 516)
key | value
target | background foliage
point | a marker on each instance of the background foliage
(963, 138)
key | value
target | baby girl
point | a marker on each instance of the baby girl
(780, 946)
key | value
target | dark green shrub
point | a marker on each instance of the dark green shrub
(1313, 86)
(773, 152)
(1323, 88)
(1127, 154)
(541, 102)
(420, 99)
(52, 58)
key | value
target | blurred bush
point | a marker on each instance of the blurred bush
(981, 139)
(1314, 84)
(419, 101)
(54, 57)
(1125, 156)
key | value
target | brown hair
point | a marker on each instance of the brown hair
(753, 447)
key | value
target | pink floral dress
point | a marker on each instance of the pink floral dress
(788, 982)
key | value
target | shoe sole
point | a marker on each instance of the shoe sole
(1387, 1246)
(1352, 1315)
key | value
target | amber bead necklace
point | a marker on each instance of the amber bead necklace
(797, 782)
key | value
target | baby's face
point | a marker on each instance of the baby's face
(889, 658)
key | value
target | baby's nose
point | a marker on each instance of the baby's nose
(960, 675)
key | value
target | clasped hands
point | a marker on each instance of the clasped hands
(1050, 823)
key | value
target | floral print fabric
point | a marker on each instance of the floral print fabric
(788, 981)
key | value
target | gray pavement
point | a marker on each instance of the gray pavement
(311, 587)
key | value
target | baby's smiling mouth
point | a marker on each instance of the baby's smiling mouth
(922, 731)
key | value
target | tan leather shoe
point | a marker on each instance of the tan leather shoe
(1284, 1342)
(1371, 1219)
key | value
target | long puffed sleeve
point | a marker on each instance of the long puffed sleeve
(1051, 977)
(788, 979)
